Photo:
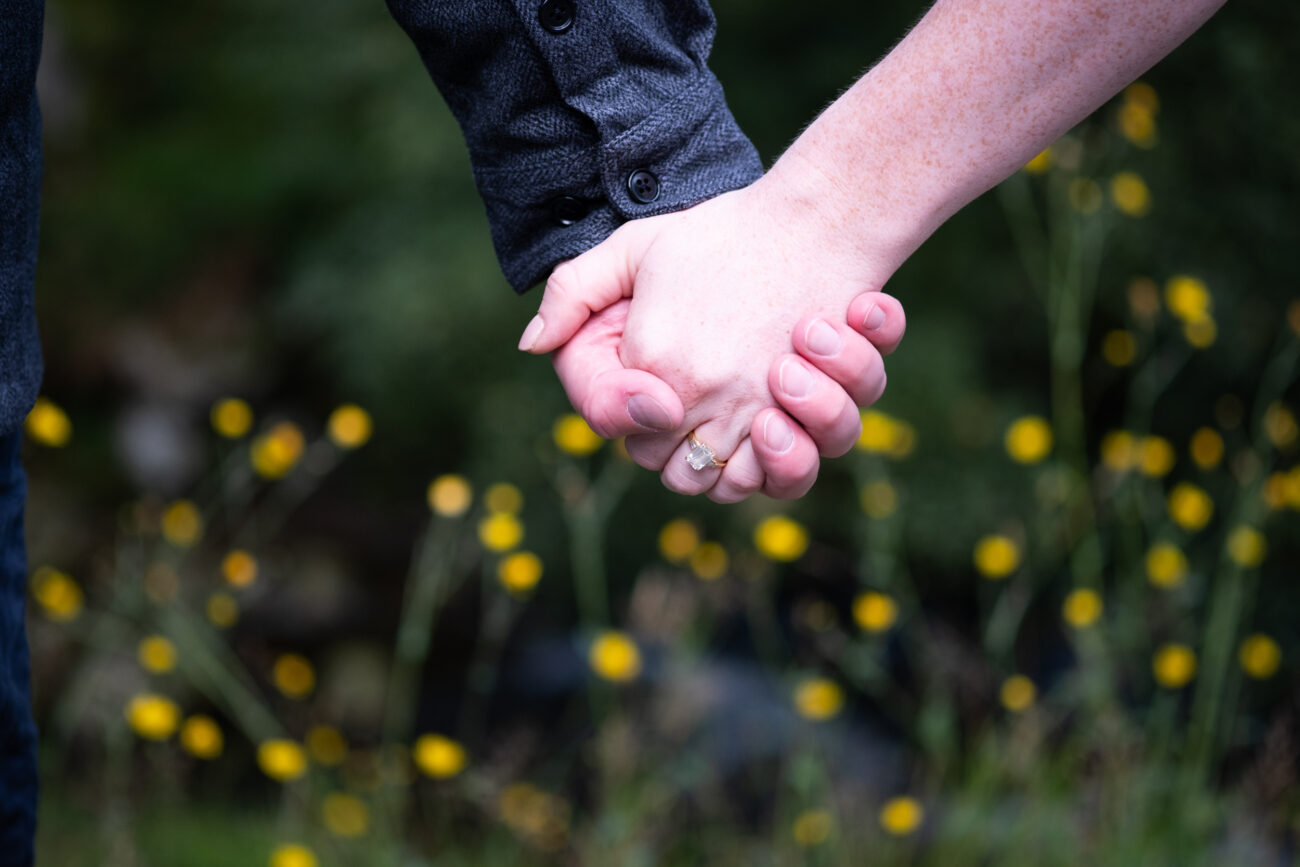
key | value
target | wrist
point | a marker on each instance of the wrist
(844, 212)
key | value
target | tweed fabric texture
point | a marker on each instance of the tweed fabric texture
(573, 114)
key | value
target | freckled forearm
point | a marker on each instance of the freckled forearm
(972, 93)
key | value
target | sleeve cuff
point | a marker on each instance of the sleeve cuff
(689, 150)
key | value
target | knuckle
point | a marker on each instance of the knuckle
(727, 494)
(677, 483)
(562, 282)
(792, 470)
(869, 385)
(643, 452)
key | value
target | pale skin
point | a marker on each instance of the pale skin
(720, 293)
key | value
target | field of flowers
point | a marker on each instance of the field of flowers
(322, 576)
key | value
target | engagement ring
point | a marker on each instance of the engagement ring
(701, 456)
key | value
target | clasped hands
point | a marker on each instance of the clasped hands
(749, 326)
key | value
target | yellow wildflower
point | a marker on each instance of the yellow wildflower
(1029, 439)
(293, 675)
(439, 757)
(875, 612)
(1142, 94)
(153, 717)
(1119, 451)
(996, 556)
(1206, 448)
(1201, 332)
(709, 561)
(47, 424)
(1187, 297)
(1119, 348)
(1166, 565)
(500, 531)
(615, 657)
(222, 610)
(292, 855)
(345, 815)
(1130, 194)
(1040, 163)
(450, 495)
(1280, 425)
(1155, 456)
(520, 572)
(1247, 546)
(1017, 693)
(1084, 195)
(1189, 506)
(781, 538)
(326, 746)
(1137, 123)
(349, 426)
(58, 595)
(901, 816)
(818, 698)
(231, 417)
(879, 499)
(1275, 490)
(678, 540)
(883, 434)
(182, 525)
(239, 568)
(573, 435)
(156, 654)
(1174, 665)
(812, 828)
(281, 760)
(201, 737)
(503, 497)
(1082, 608)
(1260, 656)
(276, 452)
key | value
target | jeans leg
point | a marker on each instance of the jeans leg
(17, 729)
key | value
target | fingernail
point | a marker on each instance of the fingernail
(875, 318)
(821, 339)
(648, 412)
(777, 434)
(795, 379)
(531, 333)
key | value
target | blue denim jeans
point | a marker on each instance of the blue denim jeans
(17, 729)
(20, 188)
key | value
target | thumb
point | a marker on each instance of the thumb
(614, 400)
(586, 284)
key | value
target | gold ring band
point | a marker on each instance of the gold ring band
(702, 456)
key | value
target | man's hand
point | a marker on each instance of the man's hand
(719, 295)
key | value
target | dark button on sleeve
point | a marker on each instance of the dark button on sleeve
(566, 210)
(643, 185)
(556, 15)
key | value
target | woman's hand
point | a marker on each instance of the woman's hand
(719, 296)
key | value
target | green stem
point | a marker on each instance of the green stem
(427, 584)
(213, 668)
(586, 511)
(1233, 590)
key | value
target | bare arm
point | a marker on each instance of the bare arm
(970, 95)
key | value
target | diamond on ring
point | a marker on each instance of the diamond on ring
(701, 456)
